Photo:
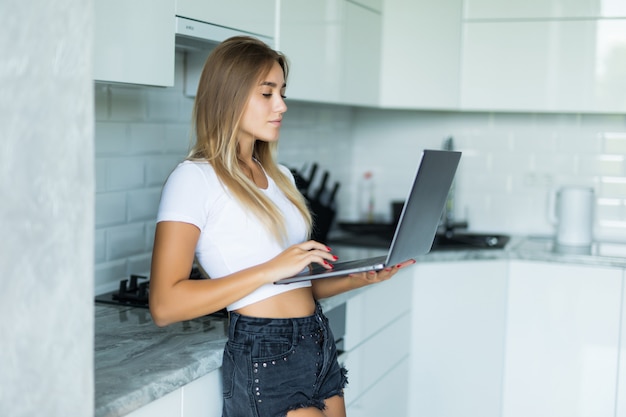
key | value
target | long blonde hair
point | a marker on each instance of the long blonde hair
(230, 73)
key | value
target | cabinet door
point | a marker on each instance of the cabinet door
(203, 397)
(569, 66)
(167, 406)
(311, 37)
(377, 307)
(370, 362)
(134, 42)
(421, 54)
(333, 47)
(254, 16)
(388, 397)
(561, 340)
(457, 342)
(534, 9)
(362, 31)
(621, 381)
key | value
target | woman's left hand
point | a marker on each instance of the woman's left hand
(371, 277)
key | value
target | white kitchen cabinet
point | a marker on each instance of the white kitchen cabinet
(376, 341)
(253, 16)
(621, 380)
(199, 398)
(562, 339)
(333, 47)
(310, 36)
(360, 75)
(421, 54)
(388, 397)
(536, 9)
(554, 66)
(457, 346)
(203, 397)
(134, 42)
(167, 406)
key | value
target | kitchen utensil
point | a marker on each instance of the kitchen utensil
(571, 210)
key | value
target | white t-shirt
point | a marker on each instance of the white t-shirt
(231, 238)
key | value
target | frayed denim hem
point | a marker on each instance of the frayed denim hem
(319, 404)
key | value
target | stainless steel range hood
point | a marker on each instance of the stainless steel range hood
(193, 35)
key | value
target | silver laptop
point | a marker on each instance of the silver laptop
(418, 221)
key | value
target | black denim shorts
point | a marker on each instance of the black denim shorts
(273, 366)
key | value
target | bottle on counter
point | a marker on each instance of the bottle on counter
(366, 198)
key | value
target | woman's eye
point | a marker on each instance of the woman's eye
(267, 95)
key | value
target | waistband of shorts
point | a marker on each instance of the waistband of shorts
(296, 325)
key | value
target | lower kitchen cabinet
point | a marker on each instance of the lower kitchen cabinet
(389, 396)
(457, 345)
(563, 329)
(200, 398)
(377, 342)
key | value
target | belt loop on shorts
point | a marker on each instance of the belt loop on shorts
(231, 325)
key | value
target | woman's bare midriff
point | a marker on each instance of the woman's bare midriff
(290, 304)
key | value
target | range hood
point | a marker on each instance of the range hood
(194, 35)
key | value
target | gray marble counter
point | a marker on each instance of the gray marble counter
(137, 362)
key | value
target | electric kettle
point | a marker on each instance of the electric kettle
(571, 210)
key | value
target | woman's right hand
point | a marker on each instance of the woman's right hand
(296, 258)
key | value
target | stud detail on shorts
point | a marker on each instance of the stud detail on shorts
(265, 365)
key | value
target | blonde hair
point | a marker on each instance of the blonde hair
(230, 73)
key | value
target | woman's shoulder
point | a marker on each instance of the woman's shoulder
(195, 168)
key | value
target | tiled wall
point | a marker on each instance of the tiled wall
(511, 163)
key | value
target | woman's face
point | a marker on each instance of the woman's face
(263, 114)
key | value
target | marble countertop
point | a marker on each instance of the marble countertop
(137, 362)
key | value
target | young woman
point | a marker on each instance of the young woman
(234, 209)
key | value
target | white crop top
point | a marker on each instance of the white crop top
(231, 238)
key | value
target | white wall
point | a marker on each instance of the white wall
(510, 163)
(46, 209)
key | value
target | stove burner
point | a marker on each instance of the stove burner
(135, 292)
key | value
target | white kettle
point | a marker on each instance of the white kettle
(572, 212)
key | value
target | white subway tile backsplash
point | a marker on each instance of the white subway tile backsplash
(125, 173)
(143, 204)
(111, 138)
(146, 138)
(159, 167)
(100, 246)
(139, 264)
(125, 240)
(108, 275)
(128, 103)
(110, 209)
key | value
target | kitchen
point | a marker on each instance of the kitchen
(514, 155)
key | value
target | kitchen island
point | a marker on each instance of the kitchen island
(137, 363)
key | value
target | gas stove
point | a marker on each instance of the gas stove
(134, 292)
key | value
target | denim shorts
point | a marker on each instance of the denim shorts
(273, 366)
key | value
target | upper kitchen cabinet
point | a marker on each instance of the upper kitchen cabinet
(134, 42)
(574, 65)
(421, 54)
(333, 47)
(254, 16)
(536, 9)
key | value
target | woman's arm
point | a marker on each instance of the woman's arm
(328, 287)
(174, 297)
